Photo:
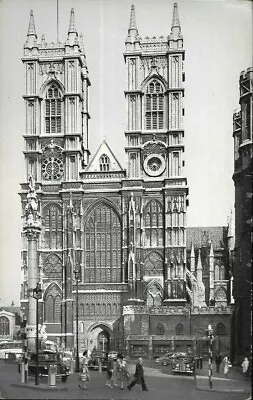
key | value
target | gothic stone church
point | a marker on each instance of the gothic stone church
(141, 286)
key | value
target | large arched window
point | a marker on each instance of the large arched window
(52, 216)
(179, 329)
(102, 246)
(104, 163)
(153, 264)
(153, 295)
(153, 218)
(53, 110)
(154, 105)
(159, 330)
(52, 267)
(219, 272)
(4, 326)
(53, 305)
(221, 329)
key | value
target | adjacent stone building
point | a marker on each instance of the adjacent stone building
(242, 265)
(123, 231)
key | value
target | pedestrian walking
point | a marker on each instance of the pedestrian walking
(138, 376)
(109, 371)
(245, 365)
(84, 375)
(227, 365)
(218, 361)
(120, 371)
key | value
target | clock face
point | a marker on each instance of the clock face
(52, 168)
(154, 164)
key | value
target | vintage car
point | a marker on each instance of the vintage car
(168, 358)
(48, 358)
(183, 364)
(97, 357)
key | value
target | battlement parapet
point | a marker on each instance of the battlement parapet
(246, 74)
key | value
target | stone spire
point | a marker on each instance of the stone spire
(192, 265)
(31, 40)
(211, 274)
(133, 35)
(200, 284)
(199, 268)
(175, 37)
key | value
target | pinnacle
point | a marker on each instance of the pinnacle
(31, 27)
(72, 27)
(175, 19)
(132, 24)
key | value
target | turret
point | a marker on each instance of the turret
(211, 274)
(133, 40)
(72, 32)
(31, 33)
(192, 266)
(175, 37)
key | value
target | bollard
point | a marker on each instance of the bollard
(200, 362)
(197, 362)
(99, 366)
(52, 375)
(22, 370)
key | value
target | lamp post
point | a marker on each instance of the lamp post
(77, 275)
(209, 333)
(37, 294)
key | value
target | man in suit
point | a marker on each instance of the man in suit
(138, 376)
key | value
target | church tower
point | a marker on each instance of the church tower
(56, 150)
(155, 190)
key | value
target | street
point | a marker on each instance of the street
(161, 386)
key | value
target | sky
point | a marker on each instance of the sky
(218, 44)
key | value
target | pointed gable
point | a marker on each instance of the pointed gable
(104, 160)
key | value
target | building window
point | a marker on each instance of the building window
(4, 326)
(52, 267)
(53, 305)
(102, 246)
(179, 329)
(104, 163)
(52, 219)
(53, 110)
(221, 329)
(159, 329)
(153, 217)
(219, 272)
(154, 106)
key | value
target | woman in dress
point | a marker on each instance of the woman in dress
(227, 365)
(245, 365)
(84, 373)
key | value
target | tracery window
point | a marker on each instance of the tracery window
(153, 219)
(179, 329)
(219, 272)
(102, 246)
(52, 267)
(52, 217)
(154, 106)
(221, 329)
(104, 163)
(53, 305)
(53, 110)
(153, 295)
(4, 326)
(159, 329)
(153, 264)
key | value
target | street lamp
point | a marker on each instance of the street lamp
(77, 276)
(209, 333)
(37, 294)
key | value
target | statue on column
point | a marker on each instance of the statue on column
(31, 208)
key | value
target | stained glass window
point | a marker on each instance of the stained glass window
(53, 110)
(154, 106)
(102, 246)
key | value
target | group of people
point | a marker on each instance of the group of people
(227, 365)
(117, 373)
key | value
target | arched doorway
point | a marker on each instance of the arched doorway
(100, 337)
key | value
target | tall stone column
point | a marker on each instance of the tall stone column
(32, 230)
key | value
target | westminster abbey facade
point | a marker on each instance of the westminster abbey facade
(120, 235)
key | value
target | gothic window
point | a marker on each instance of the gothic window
(219, 272)
(53, 110)
(153, 264)
(52, 220)
(153, 219)
(4, 326)
(104, 163)
(159, 329)
(153, 295)
(53, 305)
(52, 267)
(179, 329)
(154, 106)
(221, 329)
(82, 313)
(102, 246)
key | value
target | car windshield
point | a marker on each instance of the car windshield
(46, 357)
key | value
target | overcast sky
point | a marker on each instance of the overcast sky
(218, 44)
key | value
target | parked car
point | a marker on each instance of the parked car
(167, 359)
(95, 358)
(183, 364)
(46, 359)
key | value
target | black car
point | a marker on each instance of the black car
(95, 358)
(183, 364)
(48, 358)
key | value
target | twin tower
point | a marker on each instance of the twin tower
(123, 230)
